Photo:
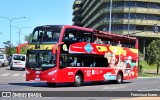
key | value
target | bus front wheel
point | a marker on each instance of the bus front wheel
(78, 80)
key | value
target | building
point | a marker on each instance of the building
(143, 15)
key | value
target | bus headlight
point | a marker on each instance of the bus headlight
(52, 72)
(27, 72)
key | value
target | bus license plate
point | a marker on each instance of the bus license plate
(37, 79)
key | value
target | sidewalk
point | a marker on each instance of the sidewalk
(150, 71)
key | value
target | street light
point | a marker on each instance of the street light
(20, 30)
(110, 16)
(129, 15)
(10, 22)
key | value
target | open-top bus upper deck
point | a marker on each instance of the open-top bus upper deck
(52, 34)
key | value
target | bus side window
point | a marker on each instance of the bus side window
(63, 61)
(93, 63)
(66, 37)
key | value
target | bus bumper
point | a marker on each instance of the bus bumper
(41, 76)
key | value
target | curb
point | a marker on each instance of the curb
(148, 77)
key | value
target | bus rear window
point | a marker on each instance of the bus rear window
(19, 57)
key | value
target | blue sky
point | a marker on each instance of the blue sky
(37, 12)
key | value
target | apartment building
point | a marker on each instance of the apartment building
(128, 16)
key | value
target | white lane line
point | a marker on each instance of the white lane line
(149, 90)
(16, 74)
(114, 87)
(6, 74)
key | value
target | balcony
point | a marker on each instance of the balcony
(125, 21)
(77, 10)
(77, 23)
(140, 34)
(102, 12)
(77, 17)
(99, 3)
(77, 2)
(86, 10)
(141, 22)
(93, 10)
(156, 1)
(136, 10)
(133, 21)
(85, 4)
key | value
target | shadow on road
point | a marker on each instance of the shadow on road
(16, 69)
(63, 85)
(41, 84)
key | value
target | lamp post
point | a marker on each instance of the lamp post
(129, 16)
(20, 30)
(10, 23)
(110, 16)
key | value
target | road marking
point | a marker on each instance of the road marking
(6, 74)
(149, 90)
(10, 74)
(114, 87)
(16, 74)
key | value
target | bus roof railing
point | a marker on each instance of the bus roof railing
(114, 36)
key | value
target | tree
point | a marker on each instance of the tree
(27, 37)
(153, 53)
(9, 49)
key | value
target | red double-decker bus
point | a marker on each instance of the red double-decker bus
(72, 54)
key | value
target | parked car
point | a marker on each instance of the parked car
(4, 60)
(18, 61)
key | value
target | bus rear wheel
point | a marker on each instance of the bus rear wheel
(119, 78)
(78, 80)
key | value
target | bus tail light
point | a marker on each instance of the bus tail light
(52, 72)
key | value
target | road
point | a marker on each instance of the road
(14, 80)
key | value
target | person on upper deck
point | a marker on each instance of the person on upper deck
(119, 44)
(56, 37)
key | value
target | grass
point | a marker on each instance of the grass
(148, 70)
(145, 65)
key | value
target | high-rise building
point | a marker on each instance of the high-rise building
(127, 17)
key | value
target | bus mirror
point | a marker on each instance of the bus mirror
(53, 50)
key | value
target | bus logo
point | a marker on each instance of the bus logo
(37, 46)
(88, 48)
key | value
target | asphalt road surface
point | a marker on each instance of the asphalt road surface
(14, 80)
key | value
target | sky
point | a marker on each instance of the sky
(37, 13)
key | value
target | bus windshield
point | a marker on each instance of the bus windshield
(40, 60)
(46, 35)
